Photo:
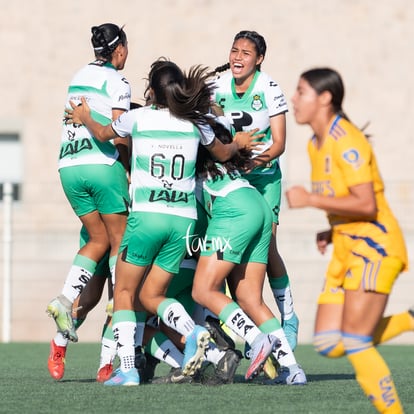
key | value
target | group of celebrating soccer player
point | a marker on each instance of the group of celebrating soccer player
(179, 202)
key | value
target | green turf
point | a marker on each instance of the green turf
(25, 387)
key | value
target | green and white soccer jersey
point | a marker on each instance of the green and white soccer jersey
(104, 89)
(221, 186)
(164, 152)
(259, 103)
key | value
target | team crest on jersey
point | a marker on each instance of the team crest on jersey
(328, 164)
(257, 103)
(352, 157)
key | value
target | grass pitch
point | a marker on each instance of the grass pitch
(25, 387)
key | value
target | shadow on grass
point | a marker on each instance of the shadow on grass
(76, 380)
(330, 377)
(261, 380)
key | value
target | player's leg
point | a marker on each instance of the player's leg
(174, 315)
(108, 344)
(112, 199)
(281, 289)
(271, 189)
(128, 279)
(87, 300)
(157, 337)
(207, 291)
(362, 312)
(81, 271)
(327, 338)
(248, 288)
(394, 325)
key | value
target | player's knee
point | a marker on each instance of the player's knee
(198, 295)
(329, 344)
(356, 343)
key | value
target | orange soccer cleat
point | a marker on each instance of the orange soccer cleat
(56, 361)
(104, 373)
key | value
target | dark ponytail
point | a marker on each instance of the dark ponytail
(106, 38)
(222, 68)
(206, 165)
(187, 96)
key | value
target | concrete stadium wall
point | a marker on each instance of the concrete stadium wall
(44, 42)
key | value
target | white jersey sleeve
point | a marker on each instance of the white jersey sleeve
(275, 99)
(120, 92)
(124, 124)
(207, 134)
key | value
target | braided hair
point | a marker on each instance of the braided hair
(106, 38)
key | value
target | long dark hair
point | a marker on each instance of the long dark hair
(106, 38)
(187, 96)
(259, 44)
(206, 165)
